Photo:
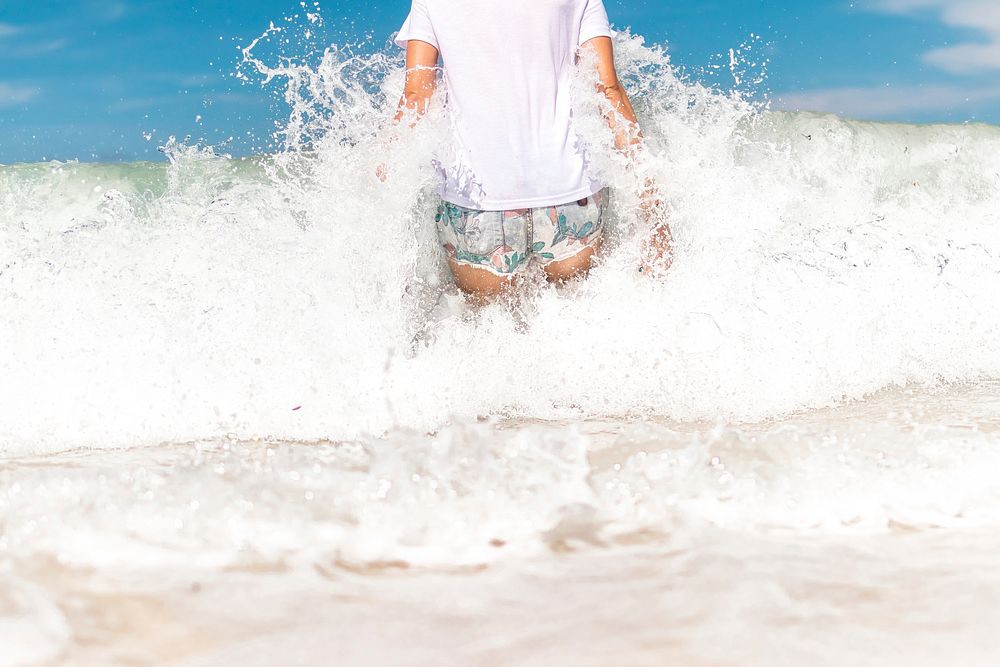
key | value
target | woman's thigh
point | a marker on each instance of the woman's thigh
(479, 282)
(577, 264)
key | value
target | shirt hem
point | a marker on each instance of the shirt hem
(586, 37)
(532, 202)
(402, 39)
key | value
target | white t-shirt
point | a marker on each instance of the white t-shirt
(507, 67)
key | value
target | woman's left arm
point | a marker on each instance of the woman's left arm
(657, 254)
(627, 135)
(421, 78)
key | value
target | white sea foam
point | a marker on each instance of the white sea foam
(886, 510)
(476, 492)
(297, 296)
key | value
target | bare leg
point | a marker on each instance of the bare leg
(480, 285)
(578, 264)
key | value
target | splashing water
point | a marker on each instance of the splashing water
(321, 405)
(819, 259)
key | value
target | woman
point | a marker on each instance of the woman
(518, 188)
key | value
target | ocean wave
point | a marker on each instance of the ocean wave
(296, 296)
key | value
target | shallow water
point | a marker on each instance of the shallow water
(863, 534)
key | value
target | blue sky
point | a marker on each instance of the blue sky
(87, 79)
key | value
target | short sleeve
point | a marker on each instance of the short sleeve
(417, 26)
(595, 21)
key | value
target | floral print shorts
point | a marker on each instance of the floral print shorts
(505, 241)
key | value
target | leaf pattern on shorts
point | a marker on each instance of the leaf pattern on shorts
(472, 258)
(467, 235)
(569, 231)
(512, 261)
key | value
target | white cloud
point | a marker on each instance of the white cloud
(904, 6)
(36, 48)
(6, 30)
(12, 95)
(966, 58)
(48, 46)
(982, 16)
(116, 11)
(886, 100)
